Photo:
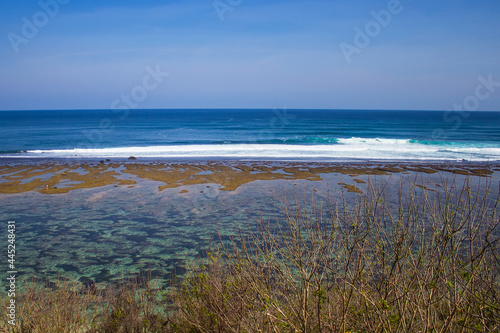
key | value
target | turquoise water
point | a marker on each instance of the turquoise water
(110, 233)
(279, 134)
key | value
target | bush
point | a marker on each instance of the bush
(428, 263)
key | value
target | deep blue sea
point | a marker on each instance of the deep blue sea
(279, 134)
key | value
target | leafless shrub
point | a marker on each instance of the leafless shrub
(429, 263)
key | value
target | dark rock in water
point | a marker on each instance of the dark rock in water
(108, 160)
(102, 162)
(88, 283)
(132, 158)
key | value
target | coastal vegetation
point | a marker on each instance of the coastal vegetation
(428, 261)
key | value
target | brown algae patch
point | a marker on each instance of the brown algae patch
(354, 171)
(481, 172)
(351, 188)
(60, 179)
(422, 170)
(390, 170)
(425, 187)
(54, 178)
(468, 171)
(228, 177)
(460, 172)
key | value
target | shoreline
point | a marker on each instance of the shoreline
(312, 160)
(196, 160)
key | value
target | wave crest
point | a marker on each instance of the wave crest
(353, 148)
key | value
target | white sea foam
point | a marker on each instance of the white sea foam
(374, 141)
(353, 148)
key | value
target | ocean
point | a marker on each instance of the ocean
(274, 134)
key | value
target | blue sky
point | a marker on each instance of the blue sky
(428, 55)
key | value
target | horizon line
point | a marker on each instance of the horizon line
(243, 108)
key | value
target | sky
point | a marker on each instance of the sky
(318, 54)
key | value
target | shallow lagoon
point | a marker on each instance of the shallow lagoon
(112, 232)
